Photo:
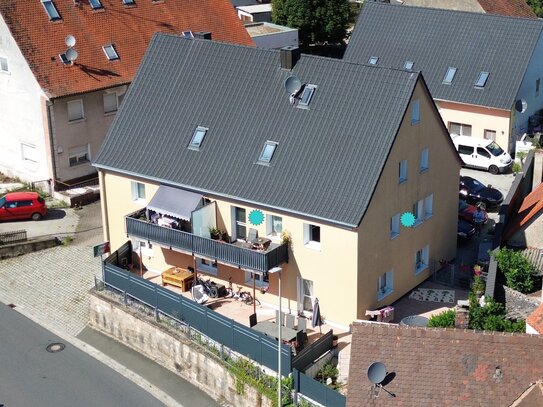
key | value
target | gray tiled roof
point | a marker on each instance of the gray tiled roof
(328, 160)
(437, 39)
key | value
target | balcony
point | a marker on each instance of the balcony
(227, 253)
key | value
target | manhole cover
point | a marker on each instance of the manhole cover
(55, 347)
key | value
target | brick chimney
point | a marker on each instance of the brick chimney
(202, 35)
(289, 56)
(461, 319)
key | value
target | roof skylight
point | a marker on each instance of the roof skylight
(51, 10)
(267, 152)
(110, 52)
(408, 65)
(198, 138)
(481, 80)
(307, 95)
(95, 4)
(373, 60)
(128, 2)
(188, 34)
(65, 59)
(449, 76)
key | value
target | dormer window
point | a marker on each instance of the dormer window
(373, 60)
(198, 138)
(95, 4)
(408, 65)
(307, 95)
(51, 10)
(267, 152)
(449, 76)
(110, 52)
(481, 80)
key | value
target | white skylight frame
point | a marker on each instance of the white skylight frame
(307, 95)
(408, 65)
(51, 10)
(198, 138)
(266, 155)
(188, 34)
(482, 79)
(373, 60)
(96, 4)
(111, 52)
(129, 2)
(449, 75)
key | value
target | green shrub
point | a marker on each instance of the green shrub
(443, 320)
(491, 317)
(516, 167)
(519, 273)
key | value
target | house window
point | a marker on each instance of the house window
(197, 138)
(312, 236)
(408, 65)
(395, 226)
(373, 60)
(449, 76)
(95, 4)
(240, 219)
(490, 135)
(267, 152)
(459, 129)
(537, 83)
(415, 112)
(403, 171)
(417, 211)
(421, 259)
(274, 225)
(305, 294)
(4, 65)
(110, 52)
(260, 280)
(385, 284)
(208, 266)
(79, 155)
(51, 10)
(111, 103)
(424, 159)
(481, 80)
(145, 248)
(428, 206)
(138, 191)
(29, 153)
(75, 110)
(307, 95)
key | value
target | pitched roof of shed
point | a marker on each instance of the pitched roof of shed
(129, 28)
(514, 8)
(436, 39)
(531, 206)
(443, 367)
(329, 157)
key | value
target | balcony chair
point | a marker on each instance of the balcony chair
(280, 320)
(302, 324)
(289, 323)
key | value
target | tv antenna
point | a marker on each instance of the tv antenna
(70, 41)
(376, 374)
(71, 54)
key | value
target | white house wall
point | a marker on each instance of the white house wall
(277, 40)
(22, 116)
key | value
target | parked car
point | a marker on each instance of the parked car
(482, 153)
(465, 229)
(22, 205)
(466, 211)
(477, 193)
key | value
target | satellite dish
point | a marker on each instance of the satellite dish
(521, 105)
(70, 40)
(377, 372)
(71, 54)
(292, 84)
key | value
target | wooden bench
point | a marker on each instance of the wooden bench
(178, 277)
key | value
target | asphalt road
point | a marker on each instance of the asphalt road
(32, 376)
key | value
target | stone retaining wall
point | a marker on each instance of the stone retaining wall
(172, 351)
(30, 246)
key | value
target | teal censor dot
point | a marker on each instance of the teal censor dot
(407, 219)
(256, 217)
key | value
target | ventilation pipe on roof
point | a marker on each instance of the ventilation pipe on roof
(202, 35)
(289, 56)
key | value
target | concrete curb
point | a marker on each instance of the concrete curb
(103, 358)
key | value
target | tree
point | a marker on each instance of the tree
(519, 273)
(318, 21)
(537, 6)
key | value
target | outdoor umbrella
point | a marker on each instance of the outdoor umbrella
(317, 320)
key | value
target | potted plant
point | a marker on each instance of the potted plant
(477, 269)
(478, 286)
(285, 237)
(215, 232)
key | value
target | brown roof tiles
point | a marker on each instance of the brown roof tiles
(514, 8)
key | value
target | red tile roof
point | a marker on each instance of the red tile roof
(443, 367)
(514, 8)
(129, 28)
(535, 319)
(531, 206)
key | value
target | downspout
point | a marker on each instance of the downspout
(49, 105)
(103, 203)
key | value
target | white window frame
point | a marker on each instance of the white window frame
(270, 229)
(81, 153)
(415, 111)
(308, 241)
(259, 279)
(489, 132)
(4, 63)
(73, 103)
(418, 208)
(111, 95)
(145, 247)
(385, 284)
(428, 206)
(462, 127)
(402, 171)
(208, 266)
(422, 259)
(113, 55)
(29, 153)
(424, 156)
(136, 196)
(395, 226)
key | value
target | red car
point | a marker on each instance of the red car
(22, 205)
(466, 211)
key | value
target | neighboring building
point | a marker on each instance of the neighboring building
(513, 8)
(332, 165)
(526, 224)
(257, 13)
(483, 70)
(534, 322)
(272, 36)
(445, 367)
(55, 114)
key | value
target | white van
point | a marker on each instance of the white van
(482, 153)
